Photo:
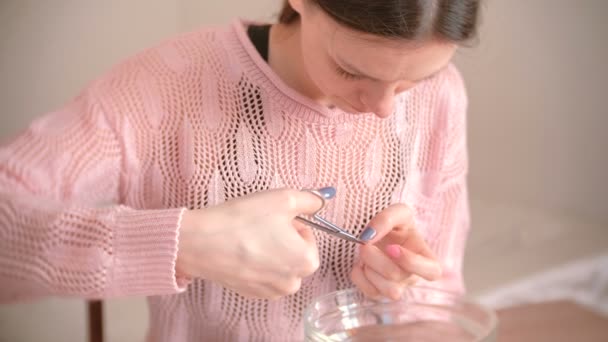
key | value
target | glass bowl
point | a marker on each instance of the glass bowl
(423, 314)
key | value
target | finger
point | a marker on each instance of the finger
(286, 286)
(427, 268)
(305, 232)
(411, 281)
(306, 202)
(376, 259)
(395, 218)
(253, 291)
(273, 289)
(387, 288)
(364, 285)
(311, 253)
(414, 242)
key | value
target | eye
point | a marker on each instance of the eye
(346, 75)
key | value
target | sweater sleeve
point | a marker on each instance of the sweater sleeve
(449, 220)
(62, 230)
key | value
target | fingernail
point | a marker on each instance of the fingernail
(368, 234)
(394, 251)
(327, 192)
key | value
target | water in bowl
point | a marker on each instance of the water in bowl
(422, 331)
(425, 315)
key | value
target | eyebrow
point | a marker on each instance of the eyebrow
(342, 63)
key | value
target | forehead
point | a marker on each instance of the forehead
(331, 30)
(383, 58)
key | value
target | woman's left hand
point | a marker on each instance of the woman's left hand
(395, 256)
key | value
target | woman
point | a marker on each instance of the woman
(177, 175)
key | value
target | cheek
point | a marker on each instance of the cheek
(334, 85)
(321, 72)
(323, 76)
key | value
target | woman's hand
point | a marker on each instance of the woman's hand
(252, 244)
(396, 255)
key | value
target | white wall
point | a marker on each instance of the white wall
(538, 115)
(50, 50)
(537, 138)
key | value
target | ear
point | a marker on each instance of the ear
(297, 5)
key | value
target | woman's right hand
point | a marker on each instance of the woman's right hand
(252, 244)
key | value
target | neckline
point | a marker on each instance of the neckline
(259, 35)
(292, 100)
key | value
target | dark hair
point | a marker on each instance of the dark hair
(453, 20)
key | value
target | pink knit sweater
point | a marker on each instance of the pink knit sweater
(91, 195)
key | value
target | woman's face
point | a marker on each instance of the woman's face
(360, 72)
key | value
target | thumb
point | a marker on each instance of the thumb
(397, 219)
(310, 249)
(311, 201)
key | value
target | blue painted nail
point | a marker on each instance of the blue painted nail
(368, 234)
(328, 192)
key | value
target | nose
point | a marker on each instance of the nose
(380, 98)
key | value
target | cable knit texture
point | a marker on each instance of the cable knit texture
(91, 195)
